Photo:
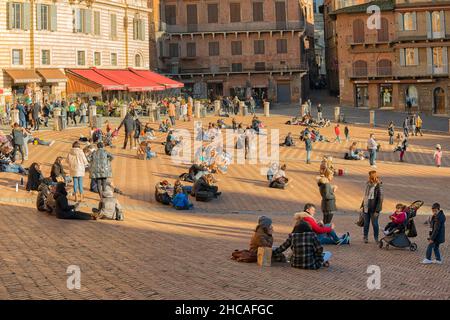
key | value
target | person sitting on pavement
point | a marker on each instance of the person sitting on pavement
(279, 180)
(325, 233)
(180, 199)
(354, 153)
(307, 253)
(162, 192)
(288, 141)
(109, 207)
(205, 189)
(66, 211)
(58, 174)
(35, 177)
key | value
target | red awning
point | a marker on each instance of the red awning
(130, 80)
(153, 76)
(1, 91)
(93, 76)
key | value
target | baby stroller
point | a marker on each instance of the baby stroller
(400, 237)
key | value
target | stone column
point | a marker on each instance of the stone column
(92, 115)
(337, 113)
(15, 116)
(197, 109)
(267, 109)
(241, 108)
(217, 106)
(372, 118)
(152, 111)
(56, 119)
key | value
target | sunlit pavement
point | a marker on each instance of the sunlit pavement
(161, 253)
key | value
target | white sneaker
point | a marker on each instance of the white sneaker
(51, 143)
(437, 261)
(426, 261)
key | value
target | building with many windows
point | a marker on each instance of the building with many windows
(41, 38)
(238, 48)
(401, 65)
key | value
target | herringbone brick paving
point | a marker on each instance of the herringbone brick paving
(159, 253)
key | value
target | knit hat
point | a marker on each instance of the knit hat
(264, 221)
(438, 146)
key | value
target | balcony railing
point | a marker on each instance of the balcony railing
(396, 71)
(226, 70)
(234, 27)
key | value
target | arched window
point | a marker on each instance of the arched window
(384, 67)
(383, 32)
(358, 31)
(360, 68)
(137, 61)
(412, 95)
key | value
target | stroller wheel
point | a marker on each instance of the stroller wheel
(380, 244)
(413, 247)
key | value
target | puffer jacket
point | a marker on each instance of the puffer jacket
(260, 239)
(100, 164)
(327, 193)
(77, 162)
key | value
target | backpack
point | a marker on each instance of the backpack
(204, 196)
(244, 256)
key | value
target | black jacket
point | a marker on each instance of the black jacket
(63, 209)
(57, 171)
(328, 197)
(129, 124)
(375, 204)
(437, 233)
(34, 178)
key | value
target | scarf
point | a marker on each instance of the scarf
(369, 195)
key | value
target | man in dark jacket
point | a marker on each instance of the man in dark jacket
(437, 235)
(307, 253)
(100, 167)
(328, 197)
(130, 126)
(63, 209)
(36, 114)
(308, 148)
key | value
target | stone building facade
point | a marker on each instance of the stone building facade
(238, 48)
(404, 64)
(41, 38)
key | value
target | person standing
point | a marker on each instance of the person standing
(337, 132)
(172, 113)
(372, 205)
(328, 198)
(412, 122)
(437, 235)
(308, 148)
(22, 115)
(100, 167)
(403, 148)
(83, 112)
(419, 125)
(252, 105)
(308, 109)
(129, 125)
(391, 132)
(77, 166)
(347, 133)
(72, 113)
(46, 112)
(405, 127)
(372, 147)
(438, 156)
(18, 134)
(36, 114)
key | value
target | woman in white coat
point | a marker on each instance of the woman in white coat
(77, 167)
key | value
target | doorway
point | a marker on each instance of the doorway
(362, 96)
(284, 93)
(439, 101)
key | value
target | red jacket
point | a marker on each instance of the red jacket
(398, 218)
(316, 227)
(337, 130)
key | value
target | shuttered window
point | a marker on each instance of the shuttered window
(213, 13)
(383, 32)
(17, 57)
(114, 59)
(138, 29)
(18, 15)
(173, 50)
(43, 17)
(45, 57)
(236, 67)
(258, 13)
(171, 14)
(236, 48)
(97, 58)
(281, 46)
(235, 12)
(113, 20)
(191, 49)
(259, 46)
(214, 48)
(358, 31)
(97, 23)
(260, 66)
(83, 21)
(81, 58)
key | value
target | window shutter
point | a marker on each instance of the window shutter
(54, 18)
(97, 23)
(445, 59)
(430, 61)
(134, 29)
(88, 21)
(10, 15)
(113, 33)
(38, 16)
(400, 21)
(142, 33)
(416, 56)
(26, 16)
(442, 21)
(414, 17)
(402, 57)
(76, 27)
(429, 33)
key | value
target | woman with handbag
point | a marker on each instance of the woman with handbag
(77, 166)
(372, 205)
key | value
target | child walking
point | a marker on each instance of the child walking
(438, 156)
(437, 235)
(337, 131)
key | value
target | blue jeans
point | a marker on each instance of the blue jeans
(308, 156)
(374, 218)
(149, 155)
(372, 156)
(78, 184)
(433, 247)
(328, 238)
(12, 168)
